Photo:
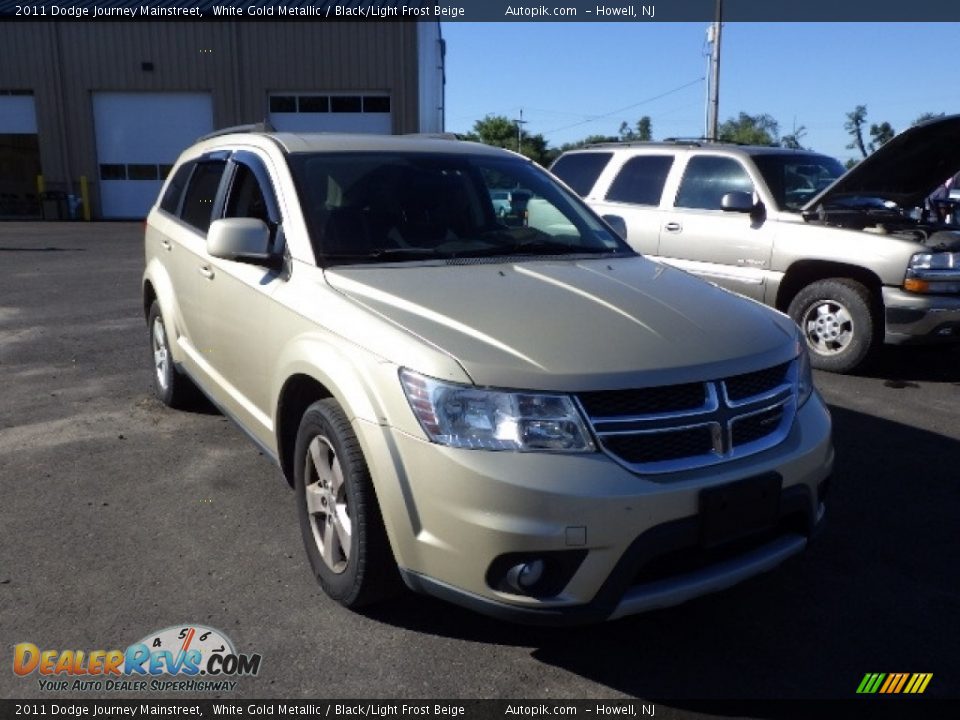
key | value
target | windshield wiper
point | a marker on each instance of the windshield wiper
(387, 253)
(540, 246)
(533, 243)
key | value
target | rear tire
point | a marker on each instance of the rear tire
(172, 387)
(340, 519)
(840, 321)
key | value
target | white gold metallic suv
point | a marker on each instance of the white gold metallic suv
(530, 420)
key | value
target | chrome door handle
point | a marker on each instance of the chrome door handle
(206, 272)
(673, 227)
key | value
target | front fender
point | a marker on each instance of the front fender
(157, 277)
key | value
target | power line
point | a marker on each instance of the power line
(628, 107)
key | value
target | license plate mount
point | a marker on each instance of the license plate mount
(740, 508)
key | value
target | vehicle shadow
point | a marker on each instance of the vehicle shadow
(900, 365)
(41, 249)
(875, 592)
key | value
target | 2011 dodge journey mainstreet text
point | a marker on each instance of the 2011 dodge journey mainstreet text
(527, 419)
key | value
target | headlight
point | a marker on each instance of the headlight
(468, 417)
(935, 272)
(935, 261)
(803, 374)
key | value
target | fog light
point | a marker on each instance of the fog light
(524, 576)
(537, 574)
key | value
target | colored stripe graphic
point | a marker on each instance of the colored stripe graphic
(894, 683)
(903, 680)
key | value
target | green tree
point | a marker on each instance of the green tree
(924, 117)
(792, 140)
(589, 140)
(750, 130)
(881, 134)
(643, 130)
(854, 126)
(501, 131)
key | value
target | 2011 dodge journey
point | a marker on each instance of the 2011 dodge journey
(520, 415)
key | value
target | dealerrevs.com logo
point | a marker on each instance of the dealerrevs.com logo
(185, 658)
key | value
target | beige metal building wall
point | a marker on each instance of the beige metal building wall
(239, 63)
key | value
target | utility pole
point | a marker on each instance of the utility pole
(713, 104)
(520, 123)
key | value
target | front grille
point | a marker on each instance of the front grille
(756, 383)
(679, 427)
(645, 401)
(758, 426)
(661, 446)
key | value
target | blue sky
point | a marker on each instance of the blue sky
(566, 75)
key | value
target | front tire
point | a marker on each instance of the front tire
(173, 388)
(838, 317)
(340, 519)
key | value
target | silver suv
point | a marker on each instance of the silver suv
(855, 259)
(532, 421)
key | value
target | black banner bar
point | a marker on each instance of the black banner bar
(486, 10)
(874, 708)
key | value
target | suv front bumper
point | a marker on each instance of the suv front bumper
(627, 543)
(911, 318)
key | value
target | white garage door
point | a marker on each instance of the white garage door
(327, 112)
(139, 136)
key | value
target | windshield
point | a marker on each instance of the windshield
(389, 207)
(794, 179)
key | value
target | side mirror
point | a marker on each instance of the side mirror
(618, 225)
(239, 239)
(738, 202)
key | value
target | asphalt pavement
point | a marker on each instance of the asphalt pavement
(120, 517)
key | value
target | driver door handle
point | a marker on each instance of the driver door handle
(673, 227)
(206, 272)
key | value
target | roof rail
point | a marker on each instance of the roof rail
(648, 143)
(688, 140)
(434, 135)
(260, 127)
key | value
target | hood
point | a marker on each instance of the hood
(567, 325)
(905, 170)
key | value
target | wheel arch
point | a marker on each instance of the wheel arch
(804, 272)
(299, 392)
(149, 296)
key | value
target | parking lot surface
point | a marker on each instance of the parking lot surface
(120, 517)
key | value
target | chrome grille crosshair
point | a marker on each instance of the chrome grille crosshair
(680, 427)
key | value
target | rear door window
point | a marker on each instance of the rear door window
(581, 170)
(707, 178)
(201, 193)
(641, 180)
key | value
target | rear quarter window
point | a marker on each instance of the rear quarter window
(581, 170)
(171, 197)
(198, 203)
(641, 180)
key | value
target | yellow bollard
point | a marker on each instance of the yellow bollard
(85, 197)
(41, 185)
